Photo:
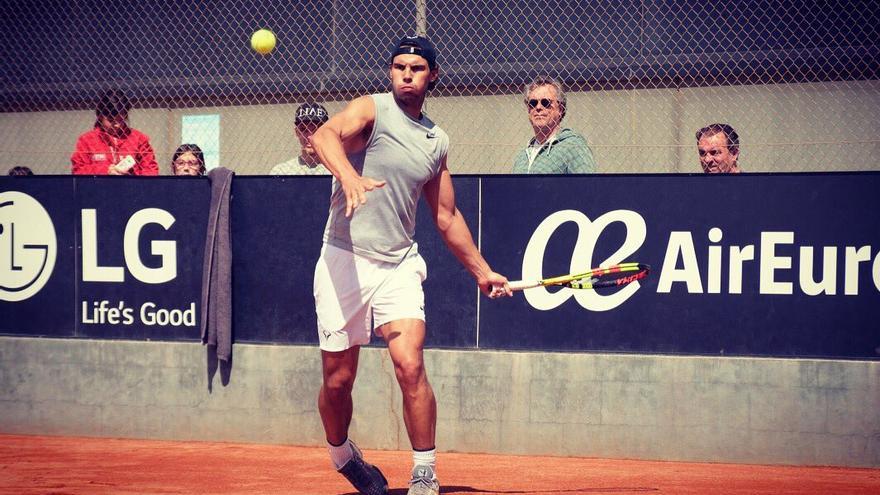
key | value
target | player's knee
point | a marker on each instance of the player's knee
(339, 383)
(410, 372)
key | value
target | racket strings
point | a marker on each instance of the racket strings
(611, 277)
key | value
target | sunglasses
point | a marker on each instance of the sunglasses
(545, 102)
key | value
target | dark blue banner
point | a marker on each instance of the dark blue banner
(782, 265)
(141, 246)
(38, 250)
(275, 252)
(102, 257)
(762, 265)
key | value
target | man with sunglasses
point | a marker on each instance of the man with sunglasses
(554, 149)
(112, 147)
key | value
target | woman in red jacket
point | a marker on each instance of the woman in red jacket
(113, 148)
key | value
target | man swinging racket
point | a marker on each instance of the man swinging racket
(384, 153)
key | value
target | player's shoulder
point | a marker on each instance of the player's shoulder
(365, 100)
(385, 97)
(379, 101)
(362, 107)
(439, 133)
(429, 123)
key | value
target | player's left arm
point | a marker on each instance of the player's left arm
(452, 226)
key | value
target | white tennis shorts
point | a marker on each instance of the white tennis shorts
(351, 291)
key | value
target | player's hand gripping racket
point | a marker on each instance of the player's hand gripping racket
(612, 276)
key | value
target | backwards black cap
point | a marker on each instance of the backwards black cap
(416, 45)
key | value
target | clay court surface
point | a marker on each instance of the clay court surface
(68, 465)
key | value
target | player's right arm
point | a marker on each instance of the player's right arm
(348, 132)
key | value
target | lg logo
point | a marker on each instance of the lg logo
(582, 257)
(166, 250)
(28, 246)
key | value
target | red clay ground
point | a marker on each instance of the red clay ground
(73, 466)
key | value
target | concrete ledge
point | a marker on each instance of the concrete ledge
(754, 410)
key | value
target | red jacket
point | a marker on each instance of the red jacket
(96, 151)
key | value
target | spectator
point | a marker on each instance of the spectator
(309, 117)
(113, 148)
(20, 171)
(188, 159)
(718, 145)
(554, 149)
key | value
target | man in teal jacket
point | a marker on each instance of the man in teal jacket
(553, 150)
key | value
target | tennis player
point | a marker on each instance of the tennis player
(384, 153)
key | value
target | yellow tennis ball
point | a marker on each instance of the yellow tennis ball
(263, 41)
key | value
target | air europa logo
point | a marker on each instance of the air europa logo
(582, 257)
(28, 246)
(780, 267)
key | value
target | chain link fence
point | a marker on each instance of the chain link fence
(800, 81)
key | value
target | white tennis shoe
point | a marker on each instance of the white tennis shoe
(423, 482)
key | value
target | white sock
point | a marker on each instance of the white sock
(341, 454)
(426, 458)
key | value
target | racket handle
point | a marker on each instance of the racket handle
(522, 284)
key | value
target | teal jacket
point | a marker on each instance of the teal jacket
(565, 153)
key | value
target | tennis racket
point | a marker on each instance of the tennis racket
(612, 276)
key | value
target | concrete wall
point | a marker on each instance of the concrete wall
(812, 412)
(783, 128)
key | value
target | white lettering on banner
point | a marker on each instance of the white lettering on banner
(770, 263)
(166, 250)
(738, 254)
(875, 273)
(828, 283)
(772, 266)
(714, 283)
(91, 272)
(176, 317)
(582, 257)
(854, 256)
(680, 244)
(101, 312)
(104, 313)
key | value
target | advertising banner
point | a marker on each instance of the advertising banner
(37, 256)
(749, 265)
(781, 265)
(102, 257)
